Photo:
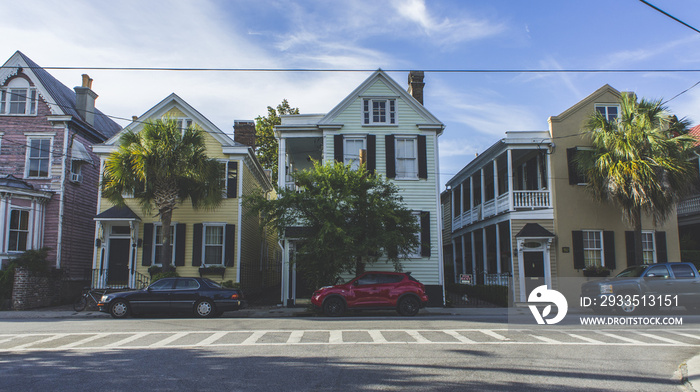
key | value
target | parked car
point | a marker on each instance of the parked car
(373, 290)
(201, 296)
(645, 288)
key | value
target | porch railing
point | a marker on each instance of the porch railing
(119, 279)
(531, 199)
(503, 279)
(689, 206)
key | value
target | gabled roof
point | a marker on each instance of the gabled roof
(118, 213)
(11, 181)
(61, 98)
(534, 230)
(695, 132)
(380, 75)
(167, 104)
(586, 101)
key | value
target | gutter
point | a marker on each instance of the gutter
(62, 199)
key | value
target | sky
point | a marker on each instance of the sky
(477, 108)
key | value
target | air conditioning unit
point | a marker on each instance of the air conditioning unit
(76, 177)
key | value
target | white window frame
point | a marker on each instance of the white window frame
(28, 157)
(646, 249)
(586, 241)
(350, 156)
(28, 231)
(155, 244)
(368, 111)
(402, 175)
(1, 135)
(222, 245)
(30, 100)
(606, 108)
(183, 123)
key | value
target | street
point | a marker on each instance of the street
(320, 354)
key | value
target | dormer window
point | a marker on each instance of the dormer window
(18, 98)
(609, 111)
(379, 111)
(183, 123)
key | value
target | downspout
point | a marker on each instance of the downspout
(438, 213)
(96, 251)
(239, 235)
(62, 199)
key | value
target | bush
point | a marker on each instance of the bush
(33, 260)
(161, 275)
(229, 284)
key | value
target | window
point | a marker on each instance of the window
(75, 170)
(231, 181)
(18, 98)
(214, 244)
(19, 230)
(659, 270)
(593, 248)
(38, 157)
(648, 250)
(682, 271)
(158, 243)
(162, 284)
(406, 157)
(183, 123)
(186, 284)
(351, 151)
(419, 249)
(609, 111)
(379, 111)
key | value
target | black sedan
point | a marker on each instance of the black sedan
(201, 296)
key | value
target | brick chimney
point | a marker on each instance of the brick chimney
(415, 85)
(85, 100)
(244, 132)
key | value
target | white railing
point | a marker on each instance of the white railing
(497, 279)
(502, 202)
(490, 208)
(689, 206)
(531, 199)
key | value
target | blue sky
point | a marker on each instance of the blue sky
(477, 108)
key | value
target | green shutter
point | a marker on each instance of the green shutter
(629, 244)
(422, 157)
(147, 248)
(180, 230)
(425, 233)
(230, 246)
(609, 249)
(661, 253)
(371, 153)
(338, 153)
(197, 245)
(390, 156)
(577, 242)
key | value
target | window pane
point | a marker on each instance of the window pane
(213, 254)
(18, 101)
(214, 235)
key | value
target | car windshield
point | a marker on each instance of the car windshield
(212, 284)
(633, 272)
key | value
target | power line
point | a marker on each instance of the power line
(670, 16)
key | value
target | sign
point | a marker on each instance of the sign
(465, 278)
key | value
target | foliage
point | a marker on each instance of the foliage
(163, 166)
(33, 260)
(349, 217)
(161, 275)
(229, 284)
(212, 271)
(266, 144)
(596, 271)
(639, 161)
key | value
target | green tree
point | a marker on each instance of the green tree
(266, 150)
(639, 162)
(162, 166)
(350, 217)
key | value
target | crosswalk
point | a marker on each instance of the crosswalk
(199, 339)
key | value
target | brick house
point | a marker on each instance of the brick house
(48, 173)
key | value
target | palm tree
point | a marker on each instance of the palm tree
(162, 166)
(640, 162)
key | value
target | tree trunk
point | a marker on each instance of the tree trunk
(638, 251)
(166, 256)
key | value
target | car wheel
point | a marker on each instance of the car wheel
(119, 309)
(204, 308)
(408, 306)
(333, 307)
(628, 307)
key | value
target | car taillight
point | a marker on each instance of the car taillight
(235, 296)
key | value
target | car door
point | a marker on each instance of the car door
(388, 290)
(365, 290)
(658, 280)
(155, 298)
(686, 284)
(184, 295)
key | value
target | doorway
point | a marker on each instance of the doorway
(533, 263)
(118, 259)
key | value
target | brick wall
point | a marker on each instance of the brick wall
(35, 291)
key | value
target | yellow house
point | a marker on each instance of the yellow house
(223, 244)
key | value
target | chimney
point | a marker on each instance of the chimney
(244, 132)
(415, 85)
(85, 100)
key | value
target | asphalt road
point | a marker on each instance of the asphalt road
(319, 354)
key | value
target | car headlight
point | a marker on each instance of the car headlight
(606, 289)
(106, 298)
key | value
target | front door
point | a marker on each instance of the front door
(534, 270)
(118, 270)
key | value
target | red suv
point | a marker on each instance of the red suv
(373, 290)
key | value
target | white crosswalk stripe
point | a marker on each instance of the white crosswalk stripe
(194, 339)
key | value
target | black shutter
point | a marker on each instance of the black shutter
(425, 233)
(147, 247)
(422, 157)
(390, 156)
(232, 182)
(577, 242)
(197, 245)
(574, 176)
(629, 243)
(338, 153)
(230, 245)
(609, 249)
(371, 153)
(661, 255)
(180, 230)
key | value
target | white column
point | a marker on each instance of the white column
(483, 192)
(281, 163)
(452, 207)
(550, 180)
(485, 249)
(461, 199)
(498, 250)
(473, 246)
(510, 180)
(495, 184)
(454, 259)
(4, 201)
(464, 256)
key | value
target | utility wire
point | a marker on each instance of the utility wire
(670, 16)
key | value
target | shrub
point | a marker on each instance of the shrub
(161, 275)
(33, 260)
(229, 284)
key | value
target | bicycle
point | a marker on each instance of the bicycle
(88, 298)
